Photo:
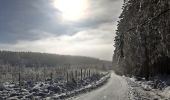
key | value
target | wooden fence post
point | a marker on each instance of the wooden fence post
(81, 74)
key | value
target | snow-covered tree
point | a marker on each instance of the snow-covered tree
(142, 38)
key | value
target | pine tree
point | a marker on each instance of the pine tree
(141, 42)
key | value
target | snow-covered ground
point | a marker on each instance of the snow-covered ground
(113, 87)
(158, 88)
(50, 90)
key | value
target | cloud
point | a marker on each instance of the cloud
(20, 17)
(93, 42)
(101, 11)
(29, 25)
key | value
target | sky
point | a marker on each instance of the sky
(67, 27)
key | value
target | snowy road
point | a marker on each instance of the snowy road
(115, 89)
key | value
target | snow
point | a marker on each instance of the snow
(165, 93)
(48, 90)
(155, 89)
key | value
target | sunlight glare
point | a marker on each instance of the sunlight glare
(72, 9)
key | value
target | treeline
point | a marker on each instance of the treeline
(34, 59)
(142, 39)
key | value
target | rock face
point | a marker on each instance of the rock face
(142, 39)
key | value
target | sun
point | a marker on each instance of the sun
(72, 9)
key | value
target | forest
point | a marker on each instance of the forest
(35, 59)
(142, 42)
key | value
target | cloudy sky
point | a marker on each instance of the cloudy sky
(69, 27)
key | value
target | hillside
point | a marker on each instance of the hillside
(31, 59)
